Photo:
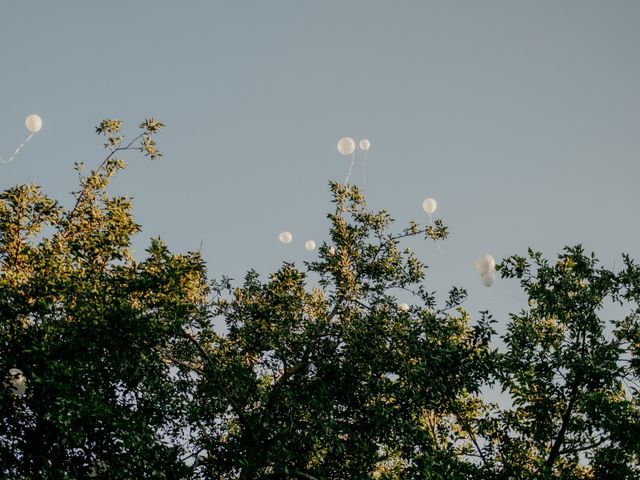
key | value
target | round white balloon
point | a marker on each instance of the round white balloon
(17, 381)
(488, 278)
(364, 144)
(310, 245)
(33, 123)
(285, 237)
(403, 307)
(346, 146)
(429, 205)
(485, 263)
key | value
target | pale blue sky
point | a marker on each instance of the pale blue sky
(521, 118)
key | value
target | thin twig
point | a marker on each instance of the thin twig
(86, 188)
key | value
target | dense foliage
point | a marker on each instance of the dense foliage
(120, 368)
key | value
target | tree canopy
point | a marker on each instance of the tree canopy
(115, 367)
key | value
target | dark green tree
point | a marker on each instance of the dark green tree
(571, 372)
(87, 325)
(119, 368)
(338, 381)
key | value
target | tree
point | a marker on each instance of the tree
(88, 325)
(571, 374)
(146, 368)
(337, 381)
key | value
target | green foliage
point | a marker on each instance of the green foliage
(336, 381)
(146, 368)
(88, 325)
(567, 370)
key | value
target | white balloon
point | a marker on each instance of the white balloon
(403, 307)
(285, 237)
(364, 144)
(310, 245)
(346, 146)
(392, 376)
(429, 205)
(488, 278)
(17, 381)
(485, 263)
(33, 123)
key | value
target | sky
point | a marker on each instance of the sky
(521, 118)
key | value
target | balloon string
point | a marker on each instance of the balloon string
(437, 242)
(364, 170)
(504, 292)
(353, 158)
(17, 150)
(286, 254)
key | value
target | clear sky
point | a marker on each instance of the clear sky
(522, 118)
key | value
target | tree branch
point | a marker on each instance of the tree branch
(466, 427)
(566, 418)
(237, 409)
(86, 188)
(583, 448)
(303, 475)
(195, 368)
(290, 372)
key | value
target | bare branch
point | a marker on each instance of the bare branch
(303, 475)
(195, 368)
(583, 448)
